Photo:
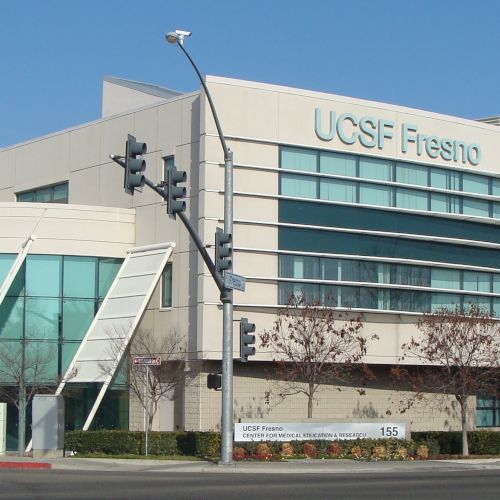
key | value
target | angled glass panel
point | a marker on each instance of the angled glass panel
(299, 185)
(299, 159)
(80, 277)
(411, 174)
(377, 169)
(337, 190)
(43, 275)
(411, 198)
(337, 164)
(26, 197)
(43, 195)
(77, 317)
(373, 194)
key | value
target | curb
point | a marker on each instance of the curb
(25, 465)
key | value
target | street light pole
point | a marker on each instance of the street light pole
(226, 294)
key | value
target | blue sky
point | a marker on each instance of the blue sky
(441, 55)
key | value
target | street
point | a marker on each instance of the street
(85, 484)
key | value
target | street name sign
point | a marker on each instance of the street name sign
(147, 360)
(234, 281)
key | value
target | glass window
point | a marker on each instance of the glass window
(411, 198)
(349, 270)
(411, 301)
(43, 195)
(487, 411)
(349, 296)
(445, 278)
(447, 301)
(368, 298)
(472, 183)
(368, 271)
(402, 274)
(108, 269)
(68, 353)
(372, 168)
(46, 367)
(43, 275)
(372, 194)
(495, 186)
(476, 281)
(439, 202)
(496, 283)
(42, 318)
(337, 164)
(411, 174)
(166, 295)
(330, 295)
(26, 197)
(77, 317)
(329, 269)
(299, 185)
(483, 303)
(6, 261)
(287, 290)
(445, 179)
(496, 307)
(11, 318)
(299, 159)
(60, 193)
(80, 277)
(298, 266)
(496, 210)
(473, 206)
(337, 190)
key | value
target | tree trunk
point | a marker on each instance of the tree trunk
(463, 412)
(21, 421)
(310, 400)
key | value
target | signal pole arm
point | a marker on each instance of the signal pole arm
(191, 230)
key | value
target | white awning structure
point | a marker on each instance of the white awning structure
(108, 336)
(11, 275)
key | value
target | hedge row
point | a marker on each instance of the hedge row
(207, 444)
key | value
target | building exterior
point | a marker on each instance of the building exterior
(385, 210)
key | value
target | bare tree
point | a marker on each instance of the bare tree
(314, 345)
(162, 380)
(24, 372)
(460, 352)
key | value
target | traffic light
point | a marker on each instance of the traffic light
(214, 381)
(223, 250)
(174, 205)
(246, 340)
(134, 166)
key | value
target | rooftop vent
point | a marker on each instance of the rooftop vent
(492, 120)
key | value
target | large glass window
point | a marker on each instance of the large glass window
(301, 186)
(372, 168)
(299, 159)
(166, 295)
(411, 174)
(411, 198)
(487, 411)
(58, 193)
(337, 164)
(80, 277)
(337, 190)
(375, 194)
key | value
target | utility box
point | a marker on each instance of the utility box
(3, 428)
(48, 426)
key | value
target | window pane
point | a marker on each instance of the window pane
(60, 193)
(298, 185)
(409, 300)
(43, 275)
(337, 190)
(297, 266)
(330, 295)
(484, 303)
(26, 197)
(11, 318)
(495, 186)
(445, 179)
(349, 270)
(166, 296)
(6, 261)
(338, 164)
(330, 269)
(368, 271)
(299, 159)
(77, 316)
(476, 281)
(108, 269)
(42, 357)
(445, 301)
(80, 277)
(371, 194)
(475, 183)
(445, 278)
(473, 206)
(496, 210)
(402, 274)
(368, 298)
(43, 195)
(42, 318)
(371, 168)
(439, 202)
(68, 353)
(411, 198)
(286, 290)
(496, 283)
(411, 174)
(349, 296)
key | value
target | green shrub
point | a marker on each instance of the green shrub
(207, 444)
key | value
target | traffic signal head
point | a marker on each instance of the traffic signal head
(223, 250)
(246, 340)
(134, 166)
(174, 192)
(214, 381)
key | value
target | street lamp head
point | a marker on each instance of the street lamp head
(177, 36)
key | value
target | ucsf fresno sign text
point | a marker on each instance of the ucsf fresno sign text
(371, 132)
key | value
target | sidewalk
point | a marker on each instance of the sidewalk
(285, 467)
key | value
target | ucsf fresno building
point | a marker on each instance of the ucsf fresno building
(385, 210)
